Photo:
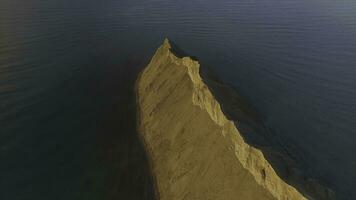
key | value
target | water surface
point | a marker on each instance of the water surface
(66, 71)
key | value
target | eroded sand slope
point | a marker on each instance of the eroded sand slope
(195, 151)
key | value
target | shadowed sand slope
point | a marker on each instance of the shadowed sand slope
(196, 152)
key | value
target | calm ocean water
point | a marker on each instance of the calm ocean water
(67, 128)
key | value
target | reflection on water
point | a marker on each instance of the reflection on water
(64, 85)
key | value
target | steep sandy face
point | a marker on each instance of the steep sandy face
(195, 151)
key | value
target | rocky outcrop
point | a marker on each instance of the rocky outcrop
(196, 152)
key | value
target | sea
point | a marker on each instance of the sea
(68, 67)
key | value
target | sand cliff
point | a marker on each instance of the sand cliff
(196, 152)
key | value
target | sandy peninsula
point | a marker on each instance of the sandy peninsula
(196, 151)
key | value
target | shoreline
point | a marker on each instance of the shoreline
(140, 131)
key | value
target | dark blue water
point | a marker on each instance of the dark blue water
(67, 67)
